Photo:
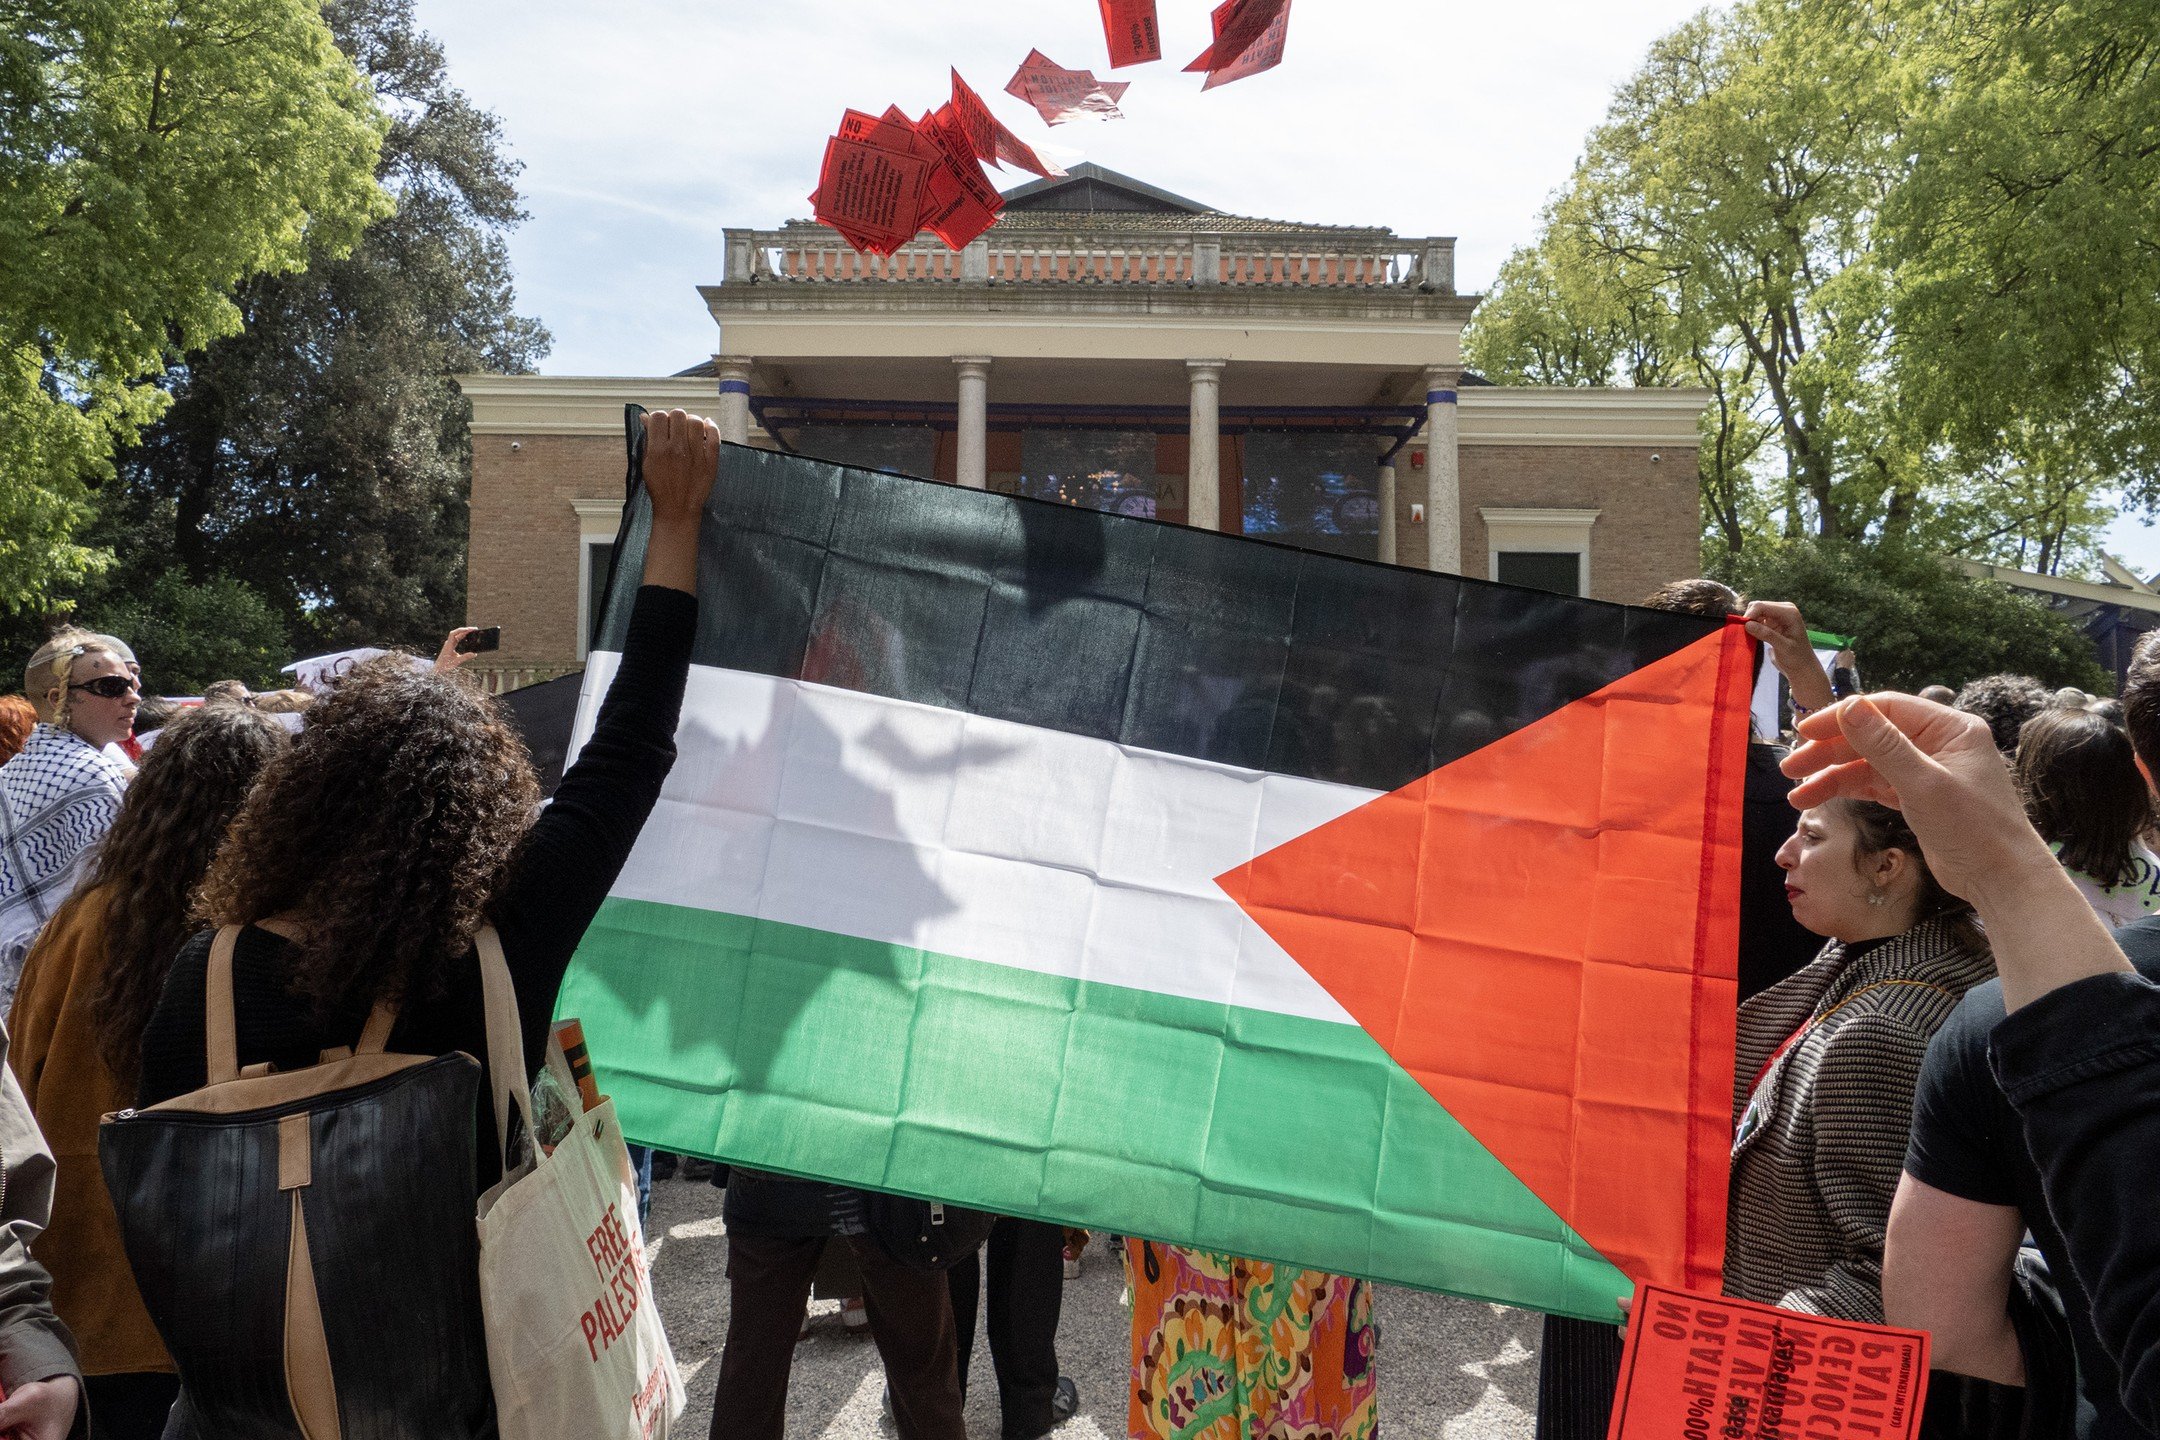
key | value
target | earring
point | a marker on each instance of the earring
(1875, 897)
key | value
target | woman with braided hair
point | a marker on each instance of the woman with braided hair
(87, 990)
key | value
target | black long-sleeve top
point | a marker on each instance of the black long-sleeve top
(2081, 1066)
(570, 860)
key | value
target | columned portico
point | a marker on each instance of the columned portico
(971, 449)
(1443, 501)
(1204, 478)
(735, 399)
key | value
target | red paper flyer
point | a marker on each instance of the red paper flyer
(870, 192)
(1701, 1367)
(990, 138)
(1059, 95)
(1249, 36)
(1129, 26)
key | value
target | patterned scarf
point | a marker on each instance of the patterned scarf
(57, 800)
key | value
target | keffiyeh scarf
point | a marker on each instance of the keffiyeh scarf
(57, 800)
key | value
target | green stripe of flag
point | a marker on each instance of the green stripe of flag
(796, 1050)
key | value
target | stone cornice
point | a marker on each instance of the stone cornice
(1538, 415)
(575, 404)
(969, 300)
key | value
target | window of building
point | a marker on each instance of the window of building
(1094, 469)
(900, 449)
(1540, 549)
(1319, 491)
(597, 523)
(1557, 570)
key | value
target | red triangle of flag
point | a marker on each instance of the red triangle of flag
(1543, 933)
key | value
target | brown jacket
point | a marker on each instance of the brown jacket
(70, 1089)
(1820, 1142)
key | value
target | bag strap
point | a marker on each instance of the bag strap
(505, 1040)
(221, 1044)
(221, 1026)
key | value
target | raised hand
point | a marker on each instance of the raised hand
(682, 459)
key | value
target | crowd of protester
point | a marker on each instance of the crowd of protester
(1947, 1073)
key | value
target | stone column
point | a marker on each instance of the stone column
(1443, 504)
(1203, 473)
(1387, 510)
(972, 451)
(734, 414)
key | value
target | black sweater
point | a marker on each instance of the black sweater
(2081, 1065)
(569, 863)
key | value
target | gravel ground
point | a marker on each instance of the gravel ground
(1449, 1369)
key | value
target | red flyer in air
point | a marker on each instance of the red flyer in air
(991, 140)
(1701, 1367)
(1129, 26)
(1249, 37)
(1059, 94)
(870, 194)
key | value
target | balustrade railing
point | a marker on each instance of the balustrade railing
(1227, 258)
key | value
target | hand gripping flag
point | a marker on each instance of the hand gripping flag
(1082, 867)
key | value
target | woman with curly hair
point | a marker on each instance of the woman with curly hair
(87, 990)
(404, 817)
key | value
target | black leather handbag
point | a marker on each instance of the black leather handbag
(305, 1241)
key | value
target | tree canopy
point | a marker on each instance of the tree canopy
(1904, 244)
(153, 154)
(319, 458)
(1918, 619)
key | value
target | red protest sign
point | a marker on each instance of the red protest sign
(1129, 26)
(988, 136)
(1059, 94)
(1703, 1366)
(870, 194)
(1249, 36)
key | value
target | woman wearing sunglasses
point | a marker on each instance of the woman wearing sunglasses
(62, 793)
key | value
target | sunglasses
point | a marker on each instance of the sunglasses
(108, 687)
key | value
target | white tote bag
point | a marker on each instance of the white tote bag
(575, 1346)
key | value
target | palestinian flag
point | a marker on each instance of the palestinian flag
(1069, 865)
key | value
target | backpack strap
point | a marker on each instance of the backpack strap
(505, 1041)
(221, 1027)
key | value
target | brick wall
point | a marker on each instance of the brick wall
(1649, 531)
(522, 568)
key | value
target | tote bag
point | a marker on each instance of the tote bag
(574, 1344)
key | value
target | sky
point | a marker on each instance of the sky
(647, 126)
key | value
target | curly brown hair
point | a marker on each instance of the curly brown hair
(190, 785)
(384, 831)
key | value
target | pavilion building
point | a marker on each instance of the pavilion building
(1113, 345)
